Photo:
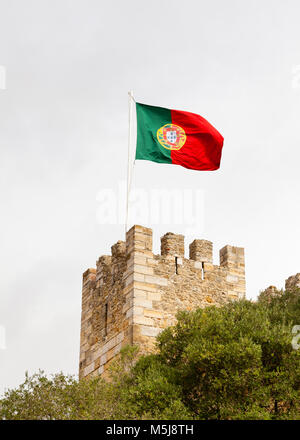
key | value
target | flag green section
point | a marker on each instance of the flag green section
(149, 120)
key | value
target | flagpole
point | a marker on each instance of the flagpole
(130, 100)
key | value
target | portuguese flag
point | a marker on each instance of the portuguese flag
(177, 137)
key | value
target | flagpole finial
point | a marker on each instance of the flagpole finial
(130, 93)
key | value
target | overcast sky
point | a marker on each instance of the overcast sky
(63, 140)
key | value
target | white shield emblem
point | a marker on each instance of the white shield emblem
(172, 136)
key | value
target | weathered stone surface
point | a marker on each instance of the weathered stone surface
(133, 294)
(142, 320)
(150, 331)
(89, 369)
(293, 281)
(202, 251)
(143, 302)
(269, 293)
(172, 244)
(153, 313)
(154, 296)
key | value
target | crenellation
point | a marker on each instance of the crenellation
(139, 239)
(270, 293)
(133, 295)
(88, 276)
(118, 258)
(293, 282)
(172, 245)
(103, 271)
(232, 256)
(201, 251)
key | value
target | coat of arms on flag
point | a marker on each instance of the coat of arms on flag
(171, 136)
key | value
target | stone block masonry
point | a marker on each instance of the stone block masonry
(132, 295)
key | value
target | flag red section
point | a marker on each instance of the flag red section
(203, 147)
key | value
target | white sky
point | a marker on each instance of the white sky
(63, 138)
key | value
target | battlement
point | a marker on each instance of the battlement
(133, 294)
(139, 241)
(293, 281)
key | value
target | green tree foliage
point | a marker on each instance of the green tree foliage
(232, 362)
(64, 398)
(236, 362)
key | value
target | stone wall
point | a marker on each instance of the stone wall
(272, 291)
(134, 294)
(269, 293)
(293, 281)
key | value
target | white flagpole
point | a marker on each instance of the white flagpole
(129, 168)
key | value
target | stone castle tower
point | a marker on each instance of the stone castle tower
(133, 294)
